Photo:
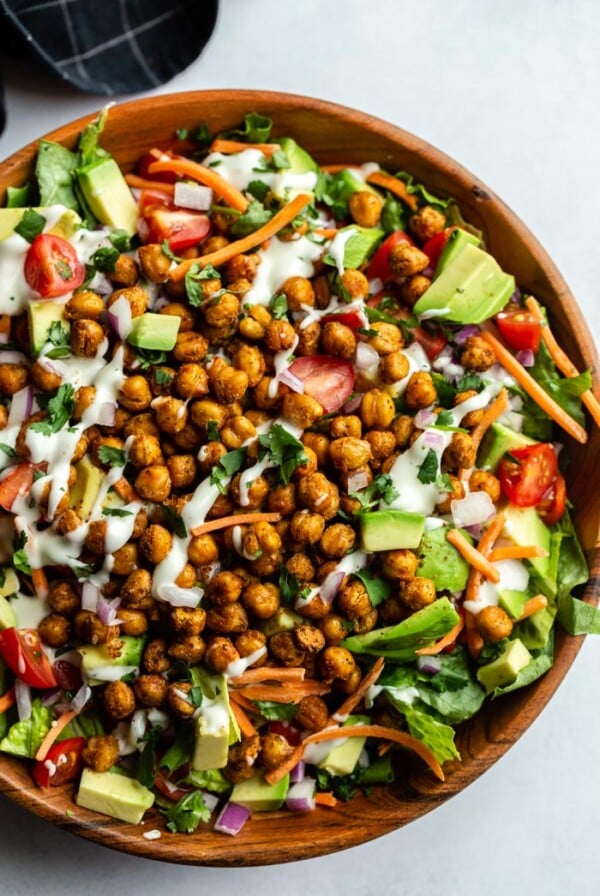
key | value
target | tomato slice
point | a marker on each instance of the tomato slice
(379, 267)
(330, 381)
(290, 732)
(432, 343)
(52, 267)
(150, 199)
(22, 651)
(434, 247)
(519, 329)
(181, 229)
(553, 503)
(144, 166)
(526, 474)
(350, 319)
(62, 764)
(17, 482)
(171, 791)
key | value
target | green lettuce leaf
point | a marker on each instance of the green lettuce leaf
(24, 738)
(54, 171)
(575, 616)
(211, 779)
(417, 189)
(186, 815)
(256, 129)
(566, 392)
(436, 735)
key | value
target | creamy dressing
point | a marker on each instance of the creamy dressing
(417, 361)
(335, 306)
(514, 576)
(281, 363)
(348, 565)
(279, 261)
(237, 667)
(241, 168)
(337, 248)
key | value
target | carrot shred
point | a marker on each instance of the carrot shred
(326, 799)
(534, 390)
(142, 183)
(240, 519)
(227, 147)
(354, 699)
(472, 555)
(393, 185)
(5, 320)
(335, 168)
(498, 406)
(269, 673)
(517, 552)
(327, 232)
(276, 774)
(125, 490)
(202, 174)
(474, 639)
(561, 359)
(280, 220)
(448, 639)
(7, 700)
(40, 583)
(246, 704)
(486, 543)
(533, 605)
(246, 726)
(286, 693)
(59, 725)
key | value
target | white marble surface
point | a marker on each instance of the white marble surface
(511, 90)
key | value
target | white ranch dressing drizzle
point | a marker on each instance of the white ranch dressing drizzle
(240, 168)
(348, 565)
(417, 361)
(513, 577)
(281, 362)
(335, 306)
(337, 248)
(237, 667)
(279, 261)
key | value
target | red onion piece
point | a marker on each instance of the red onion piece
(194, 196)
(81, 698)
(106, 413)
(288, 379)
(180, 597)
(464, 333)
(516, 296)
(433, 440)
(119, 317)
(476, 530)
(13, 358)
(331, 585)
(107, 610)
(301, 796)
(137, 728)
(211, 800)
(352, 404)
(232, 819)
(23, 700)
(366, 357)
(20, 406)
(424, 418)
(475, 509)
(298, 772)
(431, 665)
(357, 481)
(428, 272)
(52, 697)
(526, 357)
(89, 597)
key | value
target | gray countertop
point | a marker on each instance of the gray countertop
(510, 90)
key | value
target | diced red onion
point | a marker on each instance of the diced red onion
(121, 735)
(106, 413)
(89, 597)
(81, 698)
(366, 357)
(298, 772)
(352, 404)
(119, 317)
(180, 597)
(288, 379)
(49, 365)
(51, 697)
(464, 333)
(433, 440)
(424, 418)
(232, 819)
(477, 507)
(194, 196)
(445, 356)
(526, 357)
(301, 796)
(23, 700)
(107, 610)
(331, 585)
(357, 480)
(375, 286)
(112, 673)
(431, 665)
(3, 338)
(428, 272)
(137, 728)
(516, 296)
(12, 358)
(211, 800)
(20, 406)
(476, 530)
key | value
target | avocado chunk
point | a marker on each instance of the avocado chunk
(457, 241)
(284, 620)
(258, 796)
(66, 225)
(130, 654)
(300, 161)
(471, 289)
(391, 530)
(512, 602)
(524, 526)
(399, 642)
(441, 562)
(212, 725)
(11, 582)
(114, 795)
(343, 758)
(87, 486)
(107, 194)
(358, 243)
(8, 617)
(505, 668)
(29, 610)
(348, 183)
(157, 332)
(496, 442)
(41, 317)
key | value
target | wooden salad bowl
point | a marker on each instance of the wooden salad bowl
(334, 133)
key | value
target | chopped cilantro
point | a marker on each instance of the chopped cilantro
(105, 259)
(10, 452)
(443, 483)
(20, 560)
(446, 392)
(283, 449)
(162, 377)
(116, 511)
(212, 431)
(185, 816)
(174, 520)
(444, 418)
(169, 252)
(114, 457)
(254, 217)
(392, 215)
(378, 589)
(149, 357)
(258, 189)
(290, 587)
(193, 282)
(256, 129)
(367, 332)
(227, 466)
(274, 712)
(59, 337)
(428, 471)
(470, 381)
(82, 570)
(121, 240)
(382, 487)
(279, 307)
(59, 407)
(30, 225)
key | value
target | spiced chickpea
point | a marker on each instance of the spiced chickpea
(260, 539)
(88, 628)
(206, 411)
(242, 758)
(417, 592)
(100, 752)
(86, 338)
(135, 393)
(69, 521)
(353, 600)
(455, 494)
(365, 208)
(427, 223)
(137, 589)
(282, 499)
(141, 423)
(306, 527)
(44, 379)
(242, 266)
(308, 338)
(228, 384)
(318, 494)
(312, 713)
(3, 417)
(144, 450)
(188, 649)
(133, 622)
(493, 624)
(377, 409)
(406, 260)
(220, 653)
(275, 749)
(420, 390)
(230, 619)
(135, 296)
(249, 359)
(224, 588)
(202, 549)
(154, 656)
(481, 481)
(322, 291)
(179, 699)
(279, 335)
(413, 288)
(155, 543)
(190, 347)
(151, 690)
(338, 340)
(302, 410)
(383, 444)
(319, 443)
(343, 426)
(393, 610)
(222, 310)
(118, 699)
(261, 599)
(63, 598)
(214, 243)
(301, 566)
(284, 648)
(54, 630)
(102, 444)
(354, 284)
(348, 454)
(401, 564)
(191, 381)
(337, 540)
(153, 483)
(389, 338)
(125, 559)
(461, 452)
(309, 639)
(336, 662)
(250, 642)
(85, 305)
(394, 367)
(96, 536)
(154, 263)
(298, 291)
(402, 427)
(183, 469)
(477, 354)
(254, 495)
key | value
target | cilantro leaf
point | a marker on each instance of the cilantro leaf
(446, 393)
(444, 418)
(254, 217)
(273, 712)
(193, 282)
(290, 587)
(166, 249)
(186, 815)
(20, 561)
(149, 357)
(417, 189)
(121, 240)
(212, 431)
(114, 457)
(59, 408)
(378, 589)
(58, 335)
(279, 307)
(428, 471)
(105, 259)
(283, 449)
(162, 377)
(30, 225)
(116, 511)
(470, 381)
(258, 189)
(10, 452)
(382, 487)
(256, 129)
(227, 467)
(174, 520)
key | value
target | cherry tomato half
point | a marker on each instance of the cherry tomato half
(171, 791)
(17, 482)
(64, 760)
(330, 381)
(52, 267)
(526, 474)
(181, 229)
(150, 199)
(22, 651)
(379, 267)
(350, 319)
(434, 247)
(431, 343)
(553, 503)
(290, 732)
(519, 329)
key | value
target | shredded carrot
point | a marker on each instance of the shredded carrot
(534, 390)
(517, 552)
(280, 220)
(5, 320)
(327, 232)
(246, 704)
(59, 725)
(384, 748)
(488, 539)
(125, 490)
(474, 639)
(246, 726)
(286, 693)
(204, 175)
(269, 673)
(498, 406)
(40, 583)
(393, 185)
(276, 774)
(448, 639)
(326, 799)
(561, 359)
(354, 699)
(472, 555)
(337, 167)
(141, 183)
(227, 147)
(7, 700)
(240, 519)
(533, 605)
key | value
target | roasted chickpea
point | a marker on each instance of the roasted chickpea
(267, 394)
(279, 335)
(308, 338)
(144, 450)
(214, 243)
(137, 589)
(190, 347)
(417, 592)
(86, 338)
(336, 662)
(420, 390)
(171, 413)
(334, 628)
(250, 642)
(481, 481)
(261, 599)
(457, 492)
(253, 496)
(319, 443)
(365, 208)
(339, 340)
(222, 310)
(203, 549)
(413, 288)
(249, 359)
(54, 630)
(188, 649)
(225, 588)
(135, 393)
(477, 354)
(493, 624)
(133, 622)
(155, 543)
(306, 527)
(284, 648)
(118, 699)
(461, 452)
(242, 757)
(135, 296)
(282, 499)
(154, 656)
(153, 483)
(275, 749)
(342, 427)
(101, 752)
(141, 423)
(406, 260)
(228, 384)
(125, 271)
(85, 305)
(319, 495)
(377, 409)
(394, 367)
(191, 381)
(206, 411)
(355, 284)
(125, 559)
(400, 564)
(229, 619)
(101, 444)
(151, 690)
(427, 223)
(179, 701)
(349, 454)
(89, 629)
(302, 410)
(154, 263)
(309, 639)
(63, 598)
(242, 266)
(389, 338)
(337, 540)
(298, 292)
(220, 653)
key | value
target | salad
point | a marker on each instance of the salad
(281, 478)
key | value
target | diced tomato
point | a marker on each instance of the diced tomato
(519, 329)
(52, 267)
(64, 760)
(432, 343)
(180, 228)
(553, 503)
(150, 199)
(379, 267)
(350, 319)
(144, 166)
(434, 247)
(22, 651)
(17, 482)
(526, 474)
(330, 381)
(290, 732)
(171, 791)
(68, 676)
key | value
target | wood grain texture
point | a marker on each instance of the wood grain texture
(336, 134)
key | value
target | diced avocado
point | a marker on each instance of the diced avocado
(524, 527)
(349, 183)
(84, 492)
(29, 610)
(391, 530)
(359, 247)
(212, 726)
(258, 796)
(114, 795)
(471, 289)
(157, 332)
(41, 317)
(300, 161)
(11, 582)
(343, 758)
(457, 241)
(496, 442)
(505, 668)
(399, 642)
(441, 562)
(107, 194)
(512, 602)
(66, 225)
(8, 617)
(130, 654)
(284, 620)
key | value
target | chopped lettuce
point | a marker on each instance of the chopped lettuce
(24, 738)
(55, 173)
(436, 735)
(211, 779)
(575, 616)
(186, 815)
(566, 392)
